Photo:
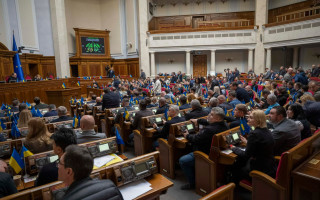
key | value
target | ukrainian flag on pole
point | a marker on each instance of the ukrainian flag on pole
(16, 62)
(25, 152)
(63, 85)
(16, 162)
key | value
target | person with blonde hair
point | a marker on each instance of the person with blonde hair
(216, 91)
(24, 118)
(38, 139)
(304, 98)
(259, 150)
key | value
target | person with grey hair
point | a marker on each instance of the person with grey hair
(196, 110)
(164, 132)
(62, 113)
(272, 101)
(212, 103)
(52, 111)
(201, 142)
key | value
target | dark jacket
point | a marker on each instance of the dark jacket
(312, 110)
(286, 135)
(143, 75)
(88, 136)
(136, 124)
(98, 104)
(242, 95)
(111, 73)
(301, 77)
(87, 188)
(234, 121)
(196, 113)
(120, 112)
(315, 72)
(47, 174)
(184, 106)
(62, 118)
(51, 113)
(202, 140)
(260, 151)
(7, 186)
(213, 84)
(162, 109)
(164, 132)
(110, 100)
(282, 99)
(225, 106)
(306, 131)
(40, 106)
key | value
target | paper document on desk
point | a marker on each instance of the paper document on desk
(100, 161)
(29, 179)
(227, 151)
(135, 189)
(179, 138)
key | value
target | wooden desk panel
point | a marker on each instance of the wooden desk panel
(306, 179)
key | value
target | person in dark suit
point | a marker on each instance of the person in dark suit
(211, 104)
(164, 132)
(125, 105)
(184, 104)
(201, 142)
(52, 111)
(110, 99)
(13, 78)
(7, 186)
(242, 94)
(136, 124)
(62, 113)
(111, 72)
(240, 111)
(259, 149)
(223, 104)
(196, 111)
(75, 167)
(116, 82)
(162, 106)
(15, 105)
(286, 133)
(142, 75)
(62, 138)
(107, 70)
(38, 103)
(88, 134)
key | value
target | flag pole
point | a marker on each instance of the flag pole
(26, 175)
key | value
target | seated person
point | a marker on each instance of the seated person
(196, 110)
(201, 142)
(22, 107)
(39, 105)
(154, 102)
(52, 111)
(93, 99)
(7, 186)
(240, 111)
(148, 100)
(162, 106)
(213, 102)
(62, 113)
(286, 133)
(125, 105)
(75, 167)
(24, 118)
(13, 77)
(136, 124)
(272, 101)
(95, 84)
(37, 77)
(296, 113)
(62, 138)
(232, 96)
(263, 100)
(38, 138)
(223, 104)
(184, 104)
(164, 132)
(88, 134)
(99, 101)
(15, 106)
(259, 149)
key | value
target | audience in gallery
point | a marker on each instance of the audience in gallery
(38, 137)
(292, 106)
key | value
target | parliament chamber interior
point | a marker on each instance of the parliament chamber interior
(160, 99)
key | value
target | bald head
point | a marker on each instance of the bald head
(221, 99)
(290, 70)
(98, 99)
(87, 123)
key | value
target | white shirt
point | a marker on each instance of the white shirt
(157, 87)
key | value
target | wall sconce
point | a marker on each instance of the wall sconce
(170, 60)
(229, 59)
(211, 1)
(223, 1)
(129, 45)
(316, 55)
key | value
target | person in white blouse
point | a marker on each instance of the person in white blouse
(157, 86)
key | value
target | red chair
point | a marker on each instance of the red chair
(28, 77)
(7, 79)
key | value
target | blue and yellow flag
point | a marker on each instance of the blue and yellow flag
(288, 91)
(244, 127)
(63, 85)
(172, 100)
(100, 77)
(78, 83)
(3, 107)
(130, 76)
(28, 105)
(34, 112)
(25, 152)
(39, 113)
(79, 118)
(226, 112)
(2, 126)
(178, 103)
(16, 161)
(15, 131)
(251, 103)
(16, 62)
(119, 138)
(126, 114)
(75, 122)
(166, 115)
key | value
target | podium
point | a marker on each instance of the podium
(61, 97)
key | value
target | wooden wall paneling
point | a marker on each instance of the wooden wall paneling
(84, 71)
